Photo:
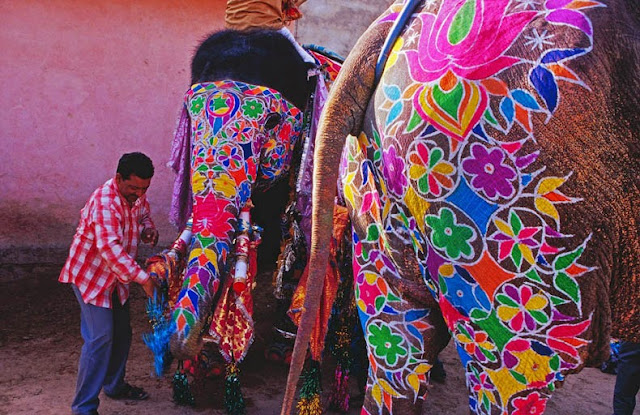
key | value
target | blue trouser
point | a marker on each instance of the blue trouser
(107, 337)
(628, 379)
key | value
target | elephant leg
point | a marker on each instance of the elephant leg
(404, 333)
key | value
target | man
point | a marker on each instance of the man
(266, 14)
(627, 379)
(100, 267)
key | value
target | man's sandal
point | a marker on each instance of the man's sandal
(130, 393)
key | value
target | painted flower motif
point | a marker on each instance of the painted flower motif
(469, 38)
(386, 344)
(520, 308)
(393, 171)
(515, 240)
(197, 105)
(432, 172)
(481, 386)
(488, 172)
(475, 343)
(252, 108)
(531, 404)
(371, 292)
(288, 133)
(230, 157)
(211, 218)
(241, 130)
(534, 366)
(447, 235)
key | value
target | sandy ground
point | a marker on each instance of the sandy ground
(40, 344)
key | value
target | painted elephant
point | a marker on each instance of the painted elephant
(242, 119)
(491, 174)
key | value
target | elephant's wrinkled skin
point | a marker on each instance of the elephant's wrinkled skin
(495, 166)
(245, 110)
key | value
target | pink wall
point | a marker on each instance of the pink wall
(81, 83)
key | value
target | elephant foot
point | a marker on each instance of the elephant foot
(207, 364)
(279, 352)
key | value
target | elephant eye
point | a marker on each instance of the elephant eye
(273, 119)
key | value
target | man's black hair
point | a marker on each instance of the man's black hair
(135, 163)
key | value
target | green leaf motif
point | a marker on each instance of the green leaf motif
(205, 242)
(392, 298)
(515, 223)
(450, 100)
(488, 115)
(516, 255)
(373, 233)
(566, 260)
(478, 314)
(485, 401)
(519, 377)
(443, 286)
(567, 285)
(414, 122)
(539, 316)
(488, 355)
(532, 274)
(462, 22)
(506, 300)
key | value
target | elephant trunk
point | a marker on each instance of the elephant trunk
(342, 115)
(215, 221)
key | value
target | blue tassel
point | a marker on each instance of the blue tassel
(162, 330)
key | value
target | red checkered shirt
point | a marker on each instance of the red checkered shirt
(101, 257)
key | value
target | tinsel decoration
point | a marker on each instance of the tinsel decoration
(233, 400)
(181, 391)
(340, 398)
(342, 325)
(309, 403)
(162, 329)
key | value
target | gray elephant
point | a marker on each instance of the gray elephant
(491, 174)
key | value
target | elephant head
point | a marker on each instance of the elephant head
(494, 163)
(245, 114)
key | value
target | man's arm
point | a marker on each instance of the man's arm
(106, 222)
(149, 233)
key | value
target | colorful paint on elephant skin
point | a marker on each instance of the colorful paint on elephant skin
(449, 169)
(232, 153)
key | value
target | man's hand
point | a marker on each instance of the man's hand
(149, 287)
(150, 236)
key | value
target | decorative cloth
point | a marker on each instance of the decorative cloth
(331, 281)
(232, 323)
(101, 257)
(262, 14)
(180, 162)
(304, 185)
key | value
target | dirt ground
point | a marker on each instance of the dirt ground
(40, 343)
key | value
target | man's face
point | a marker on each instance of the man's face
(132, 188)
